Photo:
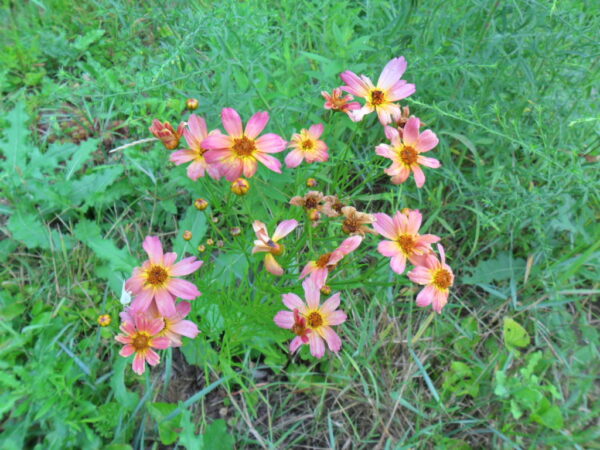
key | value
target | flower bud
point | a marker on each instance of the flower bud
(166, 133)
(104, 320)
(215, 219)
(202, 248)
(192, 104)
(241, 186)
(235, 231)
(187, 235)
(311, 182)
(326, 289)
(200, 204)
(220, 243)
(210, 241)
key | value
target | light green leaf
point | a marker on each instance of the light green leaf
(127, 399)
(514, 335)
(194, 221)
(14, 143)
(82, 154)
(28, 229)
(168, 430)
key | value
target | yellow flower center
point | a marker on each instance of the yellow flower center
(307, 144)
(156, 276)
(407, 243)
(200, 151)
(408, 155)
(141, 341)
(243, 146)
(314, 319)
(442, 279)
(377, 97)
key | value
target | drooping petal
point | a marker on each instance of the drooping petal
(249, 167)
(284, 319)
(183, 309)
(152, 326)
(308, 268)
(126, 351)
(153, 247)
(182, 289)
(186, 328)
(256, 124)
(165, 302)
(269, 161)
(331, 304)
(260, 229)
(391, 133)
(139, 364)
(319, 277)
(426, 141)
(359, 114)
(186, 266)
(401, 176)
(398, 263)
(312, 293)
(391, 73)
(425, 297)
(270, 143)
(384, 225)
(428, 162)
(410, 133)
(336, 318)
(232, 122)
(350, 244)
(284, 228)
(384, 116)
(440, 299)
(294, 158)
(316, 130)
(295, 344)
(272, 265)
(354, 85)
(419, 176)
(231, 169)
(292, 301)
(196, 170)
(333, 340)
(317, 346)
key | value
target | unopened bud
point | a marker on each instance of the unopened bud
(210, 241)
(326, 289)
(220, 243)
(187, 235)
(311, 182)
(192, 104)
(104, 320)
(202, 248)
(241, 186)
(200, 204)
(215, 219)
(235, 231)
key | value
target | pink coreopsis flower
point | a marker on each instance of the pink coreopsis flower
(336, 102)
(270, 244)
(437, 277)
(390, 88)
(240, 152)
(174, 326)
(319, 269)
(405, 152)
(141, 335)
(317, 323)
(405, 241)
(155, 280)
(194, 134)
(307, 145)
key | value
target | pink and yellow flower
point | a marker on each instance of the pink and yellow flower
(314, 325)
(405, 152)
(141, 335)
(155, 279)
(437, 277)
(337, 102)
(166, 133)
(319, 269)
(270, 244)
(405, 241)
(390, 88)
(307, 145)
(239, 152)
(194, 134)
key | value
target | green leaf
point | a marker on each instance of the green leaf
(188, 437)
(551, 417)
(168, 430)
(216, 434)
(29, 229)
(194, 221)
(14, 144)
(460, 380)
(514, 335)
(82, 154)
(94, 183)
(502, 267)
(126, 399)
(229, 266)
(83, 42)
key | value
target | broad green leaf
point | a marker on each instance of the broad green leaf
(217, 437)
(550, 417)
(514, 335)
(29, 229)
(194, 221)
(14, 142)
(126, 399)
(79, 158)
(168, 430)
(502, 267)
(94, 183)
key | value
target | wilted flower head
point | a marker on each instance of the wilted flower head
(141, 336)
(311, 321)
(337, 102)
(405, 152)
(239, 152)
(332, 206)
(437, 277)
(270, 245)
(166, 134)
(195, 134)
(390, 88)
(155, 279)
(405, 241)
(307, 145)
(311, 202)
(320, 268)
(241, 186)
(356, 222)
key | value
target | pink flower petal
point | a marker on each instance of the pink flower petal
(350, 244)
(317, 346)
(308, 268)
(414, 221)
(354, 85)
(419, 176)
(231, 169)
(426, 141)
(260, 229)
(389, 249)
(384, 225)
(249, 167)
(398, 263)
(410, 133)
(425, 297)
(142, 300)
(216, 142)
(440, 248)
(428, 162)
(385, 150)
(186, 328)
(440, 299)
(152, 326)
(269, 161)
(152, 357)
(336, 318)
(333, 340)
(284, 319)
(256, 124)
(294, 158)
(164, 302)
(182, 289)
(428, 238)
(295, 344)
(153, 247)
(232, 122)
(186, 266)
(272, 265)
(401, 90)
(316, 130)
(359, 114)
(183, 309)
(319, 277)
(292, 301)
(401, 176)
(284, 228)
(331, 304)
(124, 339)
(161, 342)
(182, 156)
(270, 143)
(126, 351)
(139, 364)
(312, 293)
(384, 116)
(420, 275)
(196, 170)
(391, 73)
(136, 283)
(169, 258)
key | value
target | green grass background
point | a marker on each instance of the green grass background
(511, 89)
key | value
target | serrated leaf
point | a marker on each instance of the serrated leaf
(514, 335)
(83, 42)
(28, 229)
(94, 183)
(81, 155)
(14, 142)
(502, 267)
